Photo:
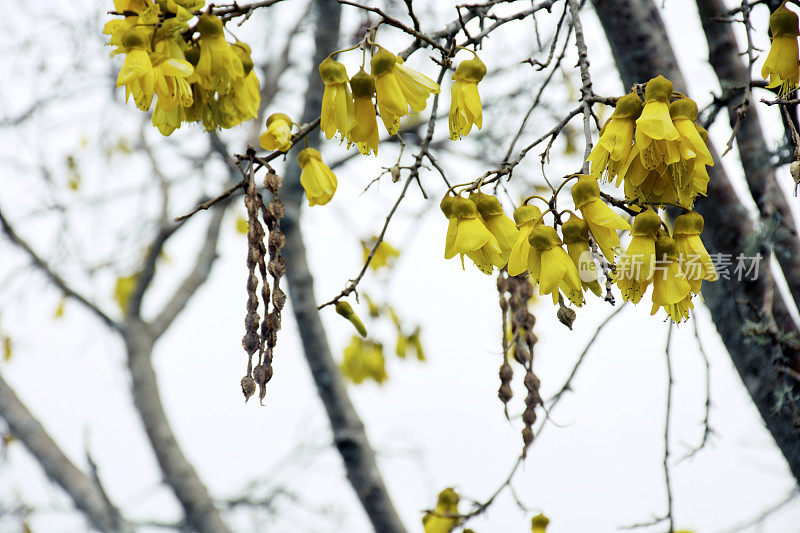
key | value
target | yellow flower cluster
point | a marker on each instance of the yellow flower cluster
(347, 106)
(656, 148)
(479, 229)
(196, 74)
(782, 66)
(660, 154)
(363, 360)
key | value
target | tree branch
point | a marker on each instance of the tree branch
(57, 466)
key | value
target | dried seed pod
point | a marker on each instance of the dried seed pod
(260, 374)
(248, 387)
(276, 209)
(273, 182)
(527, 436)
(278, 299)
(566, 316)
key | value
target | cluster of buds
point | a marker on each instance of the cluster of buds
(196, 74)
(518, 343)
(263, 337)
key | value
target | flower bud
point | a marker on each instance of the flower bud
(658, 88)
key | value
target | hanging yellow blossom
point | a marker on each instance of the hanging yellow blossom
(465, 101)
(218, 66)
(243, 100)
(552, 268)
(136, 73)
(694, 258)
(692, 147)
(445, 517)
(670, 288)
(468, 235)
(781, 65)
(362, 360)
(337, 101)
(655, 132)
(398, 87)
(384, 254)
(526, 217)
(317, 179)
(365, 131)
(279, 133)
(636, 267)
(614, 146)
(576, 237)
(502, 227)
(603, 222)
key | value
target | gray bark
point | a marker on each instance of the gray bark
(642, 50)
(348, 430)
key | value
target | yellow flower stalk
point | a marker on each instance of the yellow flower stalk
(636, 267)
(614, 146)
(398, 87)
(279, 133)
(137, 73)
(576, 237)
(337, 101)
(694, 258)
(218, 66)
(439, 521)
(346, 310)
(603, 222)
(781, 65)
(468, 235)
(384, 254)
(692, 146)
(526, 217)
(502, 227)
(671, 290)
(552, 268)
(465, 101)
(655, 133)
(317, 179)
(365, 131)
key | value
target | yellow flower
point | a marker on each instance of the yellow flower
(614, 146)
(552, 268)
(242, 102)
(670, 288)
(316, 178)
(576, 237)
(167, 120)
(115, 29)
(691, 144)
(279, 133)
(365, 131)
(384, 254)
(698, 183)
(694, 258)
(337, 102)
(218, 66)
(468, 235)
(465, 101)
(170, 81)
(655, 132)
(362, 360)
(132, 5)
(781, 66)
(398, 87)
(502, 227)
(636, 267)
(539, 523)
(527, 217)
(136, 73)
(439, 521)
(603, 222)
